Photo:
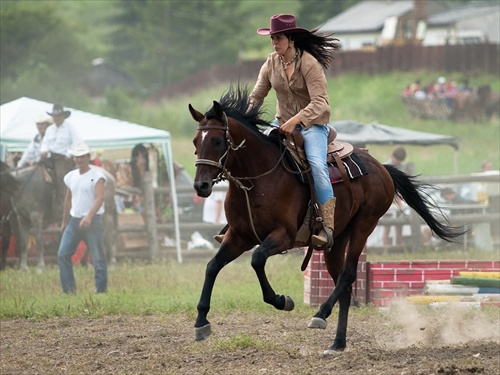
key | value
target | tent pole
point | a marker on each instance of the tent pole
(455, 161)
(167, 147)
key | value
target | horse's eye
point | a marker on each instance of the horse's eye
(216, 142)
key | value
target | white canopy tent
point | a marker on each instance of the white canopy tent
(17, 129)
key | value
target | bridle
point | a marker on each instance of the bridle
(225, 173)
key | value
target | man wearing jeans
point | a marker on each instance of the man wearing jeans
(84, 203)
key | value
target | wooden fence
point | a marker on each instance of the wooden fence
(465, 59)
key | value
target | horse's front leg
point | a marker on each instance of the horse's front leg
(37, 220)
(22, 242)
(229, 251)
(6, 234)
(276, 243)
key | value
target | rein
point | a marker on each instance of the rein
(221, 164)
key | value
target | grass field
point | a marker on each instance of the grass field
(137, 288)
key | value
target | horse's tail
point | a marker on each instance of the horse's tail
(416, 196)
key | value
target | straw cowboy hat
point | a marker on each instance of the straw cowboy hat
(80, 150)
(57, 110)
(282, 23)
(42, 118)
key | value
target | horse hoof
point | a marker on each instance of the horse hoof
(289, 304)
(317, 323)
(203, 332)
(331, 351)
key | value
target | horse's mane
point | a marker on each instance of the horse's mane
(235, 104)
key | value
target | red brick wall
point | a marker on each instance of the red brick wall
(379, 283)
(318, 284)
(391, 280)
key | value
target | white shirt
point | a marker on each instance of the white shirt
(32, 153)
(213, 204)
(82, 188)
(59, 139)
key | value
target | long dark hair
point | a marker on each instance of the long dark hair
(322, 47)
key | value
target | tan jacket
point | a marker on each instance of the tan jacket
(305, 94)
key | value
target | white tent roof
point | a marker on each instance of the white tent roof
(17, 127)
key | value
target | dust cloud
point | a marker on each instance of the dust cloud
(436, 327)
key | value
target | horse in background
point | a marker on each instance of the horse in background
(481, 103)
(8, 218)
(33, 203)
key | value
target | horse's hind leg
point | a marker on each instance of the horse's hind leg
(334, 261)
(229, 251)
(343, 287)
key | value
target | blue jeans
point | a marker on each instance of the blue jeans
(93, 236)
(315, 147)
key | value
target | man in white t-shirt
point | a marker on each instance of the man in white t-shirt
(84, 203)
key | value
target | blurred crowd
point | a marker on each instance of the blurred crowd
(440, 89)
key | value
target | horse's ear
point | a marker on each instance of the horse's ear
(218, 111)
(197, 116)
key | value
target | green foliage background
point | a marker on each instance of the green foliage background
(47, 48)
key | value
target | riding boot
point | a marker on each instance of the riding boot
(328, 211)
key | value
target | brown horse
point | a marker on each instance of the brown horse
(266, 205)
(8, 218)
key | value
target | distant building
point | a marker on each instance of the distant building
(104, 75)
(374, 23)
(477, 22)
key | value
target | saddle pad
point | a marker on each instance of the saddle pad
(353, 166)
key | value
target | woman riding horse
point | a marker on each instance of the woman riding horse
(266, 205)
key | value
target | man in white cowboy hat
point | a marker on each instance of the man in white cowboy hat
(82, 219)
(32, 153)
(59, 138)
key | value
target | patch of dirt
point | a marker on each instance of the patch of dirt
(403, 341)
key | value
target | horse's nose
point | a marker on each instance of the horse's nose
(203, 188)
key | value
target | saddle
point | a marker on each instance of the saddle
(295, 144)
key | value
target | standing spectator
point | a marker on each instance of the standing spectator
(32, 153)
(84, 202)
(213, 208)
(397, 160)
(415, 86)
(59, 138)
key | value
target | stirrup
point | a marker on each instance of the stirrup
(219, 238)
(319, 241)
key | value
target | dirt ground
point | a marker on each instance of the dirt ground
(404, 340)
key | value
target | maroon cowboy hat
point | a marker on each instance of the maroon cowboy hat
(282, 23)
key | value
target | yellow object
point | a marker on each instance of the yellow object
(481, 275)
(425, 300)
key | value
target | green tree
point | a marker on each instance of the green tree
(40, 54)
(162, 42)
